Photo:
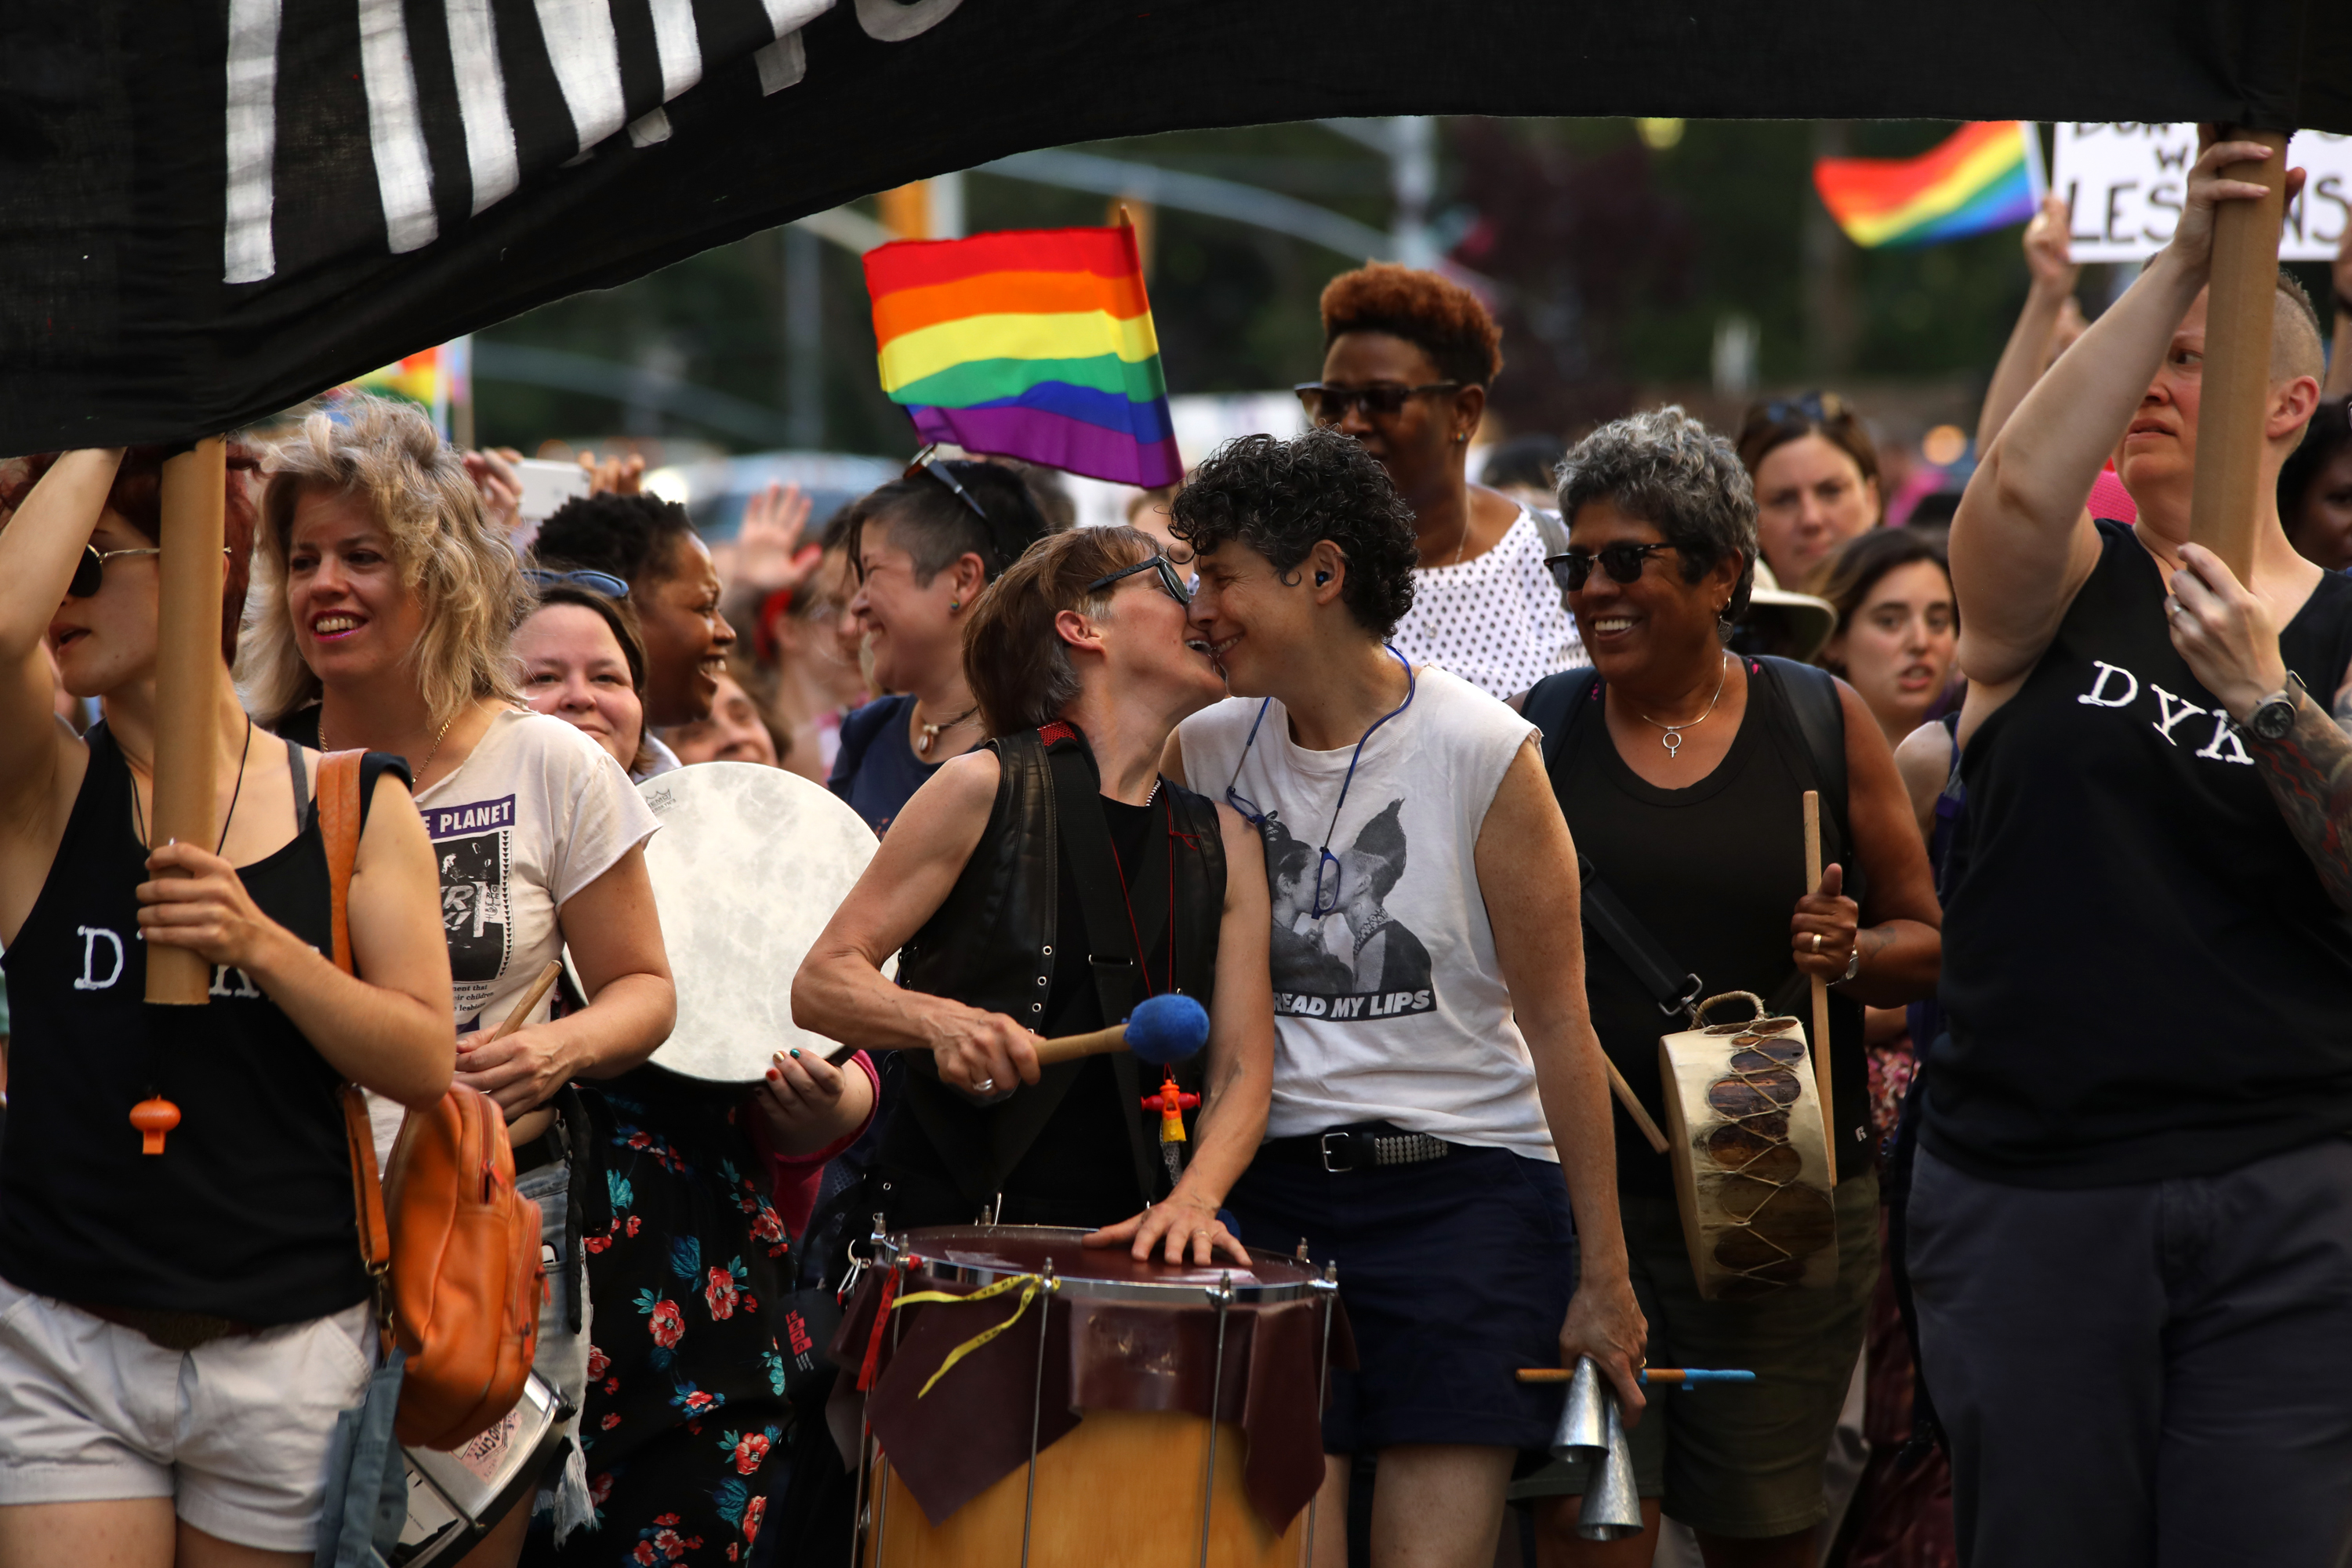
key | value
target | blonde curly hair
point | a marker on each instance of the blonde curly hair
(451, 555)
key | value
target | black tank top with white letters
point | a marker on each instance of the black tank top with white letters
(247, 1214)
(2143, 974)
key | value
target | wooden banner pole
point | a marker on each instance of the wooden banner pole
(188, 676)
(1821, 989)
(2237, 373)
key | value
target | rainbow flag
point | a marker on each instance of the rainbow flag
(1033, 344)
(1983, 176)
(437, 378)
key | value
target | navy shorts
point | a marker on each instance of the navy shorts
(1456, 1273)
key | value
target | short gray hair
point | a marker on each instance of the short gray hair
(1674, 473)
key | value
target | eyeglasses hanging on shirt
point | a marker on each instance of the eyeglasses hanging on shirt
(1326, 864)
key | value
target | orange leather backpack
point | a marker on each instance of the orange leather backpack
(458, 1274)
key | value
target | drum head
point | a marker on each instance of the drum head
(750, 865)
(983, 1254)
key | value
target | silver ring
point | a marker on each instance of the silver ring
(984, 1086)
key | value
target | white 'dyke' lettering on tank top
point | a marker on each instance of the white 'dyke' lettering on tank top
(101, 945)
(2115, 687)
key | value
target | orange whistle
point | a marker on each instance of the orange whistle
(154, 1118)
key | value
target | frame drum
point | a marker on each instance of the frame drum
(750, 865)
(1140, 1481)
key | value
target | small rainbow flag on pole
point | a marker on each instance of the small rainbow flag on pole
(1983, 176)
(1033, 344)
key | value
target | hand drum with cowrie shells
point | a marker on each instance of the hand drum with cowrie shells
(1751, 1159)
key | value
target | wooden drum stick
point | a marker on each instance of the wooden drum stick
(530, 999)
(188, 676)
(1633, 1107)
(1821, 989)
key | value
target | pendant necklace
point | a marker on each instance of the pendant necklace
(932, 731)
(155, 1116)
(1673, 739)
(442, 735)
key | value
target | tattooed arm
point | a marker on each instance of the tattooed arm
(2231, 642)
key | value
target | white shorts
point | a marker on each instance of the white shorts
(235, 1432)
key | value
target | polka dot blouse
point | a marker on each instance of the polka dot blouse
(1496, 620)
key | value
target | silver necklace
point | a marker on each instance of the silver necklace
(1673, 739)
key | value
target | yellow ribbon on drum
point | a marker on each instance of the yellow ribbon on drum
(1030, 1285)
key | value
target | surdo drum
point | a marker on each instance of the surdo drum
(1031, 1400)
(750, 865)
(1751, 1159)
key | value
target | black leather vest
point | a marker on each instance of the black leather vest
(993, 944)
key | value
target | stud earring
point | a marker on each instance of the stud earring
(954, 604)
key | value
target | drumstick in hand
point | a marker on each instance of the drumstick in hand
(1821, 988)
(530, 999)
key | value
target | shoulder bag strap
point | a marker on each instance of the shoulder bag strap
(1552, 706)
(339, 809)
(1084, 838)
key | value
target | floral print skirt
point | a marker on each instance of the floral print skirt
(686, 1264)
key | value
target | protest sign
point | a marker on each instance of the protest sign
(2123, 183)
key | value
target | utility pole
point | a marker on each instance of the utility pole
(1412, 178)
(1830, 325)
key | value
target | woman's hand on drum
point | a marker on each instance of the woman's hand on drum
(1186, 1224)
(807, 1104)
(1605, 1323)
(1822, 932)
(521, 1071)
(986, 1055)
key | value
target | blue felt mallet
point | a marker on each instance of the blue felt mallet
(1162, 1030)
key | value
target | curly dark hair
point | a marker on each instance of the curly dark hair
(1279, 498)
(1668, 470)
(1433, 312)
(630, 537)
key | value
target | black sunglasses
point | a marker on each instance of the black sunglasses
(1176, 587)
(924, 463)
(1572, 569)
(1329, 404)
(603, 583)
(89, 571)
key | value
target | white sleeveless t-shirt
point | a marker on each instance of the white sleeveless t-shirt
(1391, 1007)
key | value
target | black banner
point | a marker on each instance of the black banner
(210, 209)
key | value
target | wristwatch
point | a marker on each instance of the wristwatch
(1853, 964)
(2274, 716)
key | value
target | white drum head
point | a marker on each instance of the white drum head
(750, 865)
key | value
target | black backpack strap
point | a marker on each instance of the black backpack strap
(1083, 837)
(1813, 695)
(1552, 706)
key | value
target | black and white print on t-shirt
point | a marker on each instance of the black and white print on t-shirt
(1357, 960)
(473, 844)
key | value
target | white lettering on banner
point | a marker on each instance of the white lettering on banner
(2225, 732)
(2099, 686)
(221, 971)
(2164, 700)
(894, 22)
(2123, 185)
(89, 937)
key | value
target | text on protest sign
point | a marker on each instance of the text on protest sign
(2123, 185)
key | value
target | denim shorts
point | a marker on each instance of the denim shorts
(1454, 1272)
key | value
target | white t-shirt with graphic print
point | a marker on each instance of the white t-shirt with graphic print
(1496, 620)
(536, 812)
(1391, 1007)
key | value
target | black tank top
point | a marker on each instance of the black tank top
(2143, 976)
(247, 1212)
(1714, 870)
(1080, 1168)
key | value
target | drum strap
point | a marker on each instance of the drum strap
(1084, 838)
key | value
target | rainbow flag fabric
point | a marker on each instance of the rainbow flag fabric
(1032, 343)
(1983, 176)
